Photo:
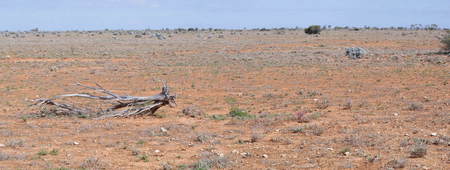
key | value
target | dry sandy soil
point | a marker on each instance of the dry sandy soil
(310, 106)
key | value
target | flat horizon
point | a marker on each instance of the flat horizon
(66, 15)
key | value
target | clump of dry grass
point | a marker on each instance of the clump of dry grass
(93, 164)
(210, 160)
(415, 106)
(446, 42)
(323, 104)
(418, 151)
(396, 163)
(14, 143)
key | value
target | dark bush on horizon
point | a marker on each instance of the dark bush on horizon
(313, 29)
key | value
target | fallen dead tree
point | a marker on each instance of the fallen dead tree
(122, 105)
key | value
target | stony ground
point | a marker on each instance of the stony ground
(297, 100)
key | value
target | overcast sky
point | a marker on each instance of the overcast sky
(157, 14)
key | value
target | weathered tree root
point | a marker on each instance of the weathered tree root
(126, 106)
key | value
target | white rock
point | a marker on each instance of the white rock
(163, 129)
(265, 156)
(235, 151)
(347, 153)
(245, 154)
(76, 143)
(157, 151)
(2, 145)
(434, 134)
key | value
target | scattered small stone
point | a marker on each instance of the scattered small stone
(347, 153)
(235, 151)
(164, 130)
(245, 154)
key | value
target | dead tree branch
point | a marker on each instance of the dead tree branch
(124, 106)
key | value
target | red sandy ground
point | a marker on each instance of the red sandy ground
(272, 74)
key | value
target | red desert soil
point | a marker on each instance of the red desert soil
(377, 112)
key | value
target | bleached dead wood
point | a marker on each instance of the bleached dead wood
(124, 106)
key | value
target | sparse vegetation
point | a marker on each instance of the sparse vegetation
(273, 99)
(418, 150)
(193, 111)
(446, 42)
(42, 152)
(210, 160)
(322, 104)
(218, 117)
(93, 163)
(144, 158)
(15, 143)
(240, 113)
(396, 163)
(415, 106)
(299, 129)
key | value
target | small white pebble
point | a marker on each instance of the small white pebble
(244, 154)
(433, 134)
(235, 151)
(157, 151)
(2, 145)
(347, 153)
(265, 156)
(76, 143)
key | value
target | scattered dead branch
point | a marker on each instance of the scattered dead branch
(123, 105)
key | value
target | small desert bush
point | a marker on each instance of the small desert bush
(42, 152)
(240, 113)
(15, 143)
(446, 42)
(212, 161)
(322, 104)
(418, 151)
(218, 117)
(93, 163)
(256, 137)
(144, 158)
(414, 106)
(313, 29)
